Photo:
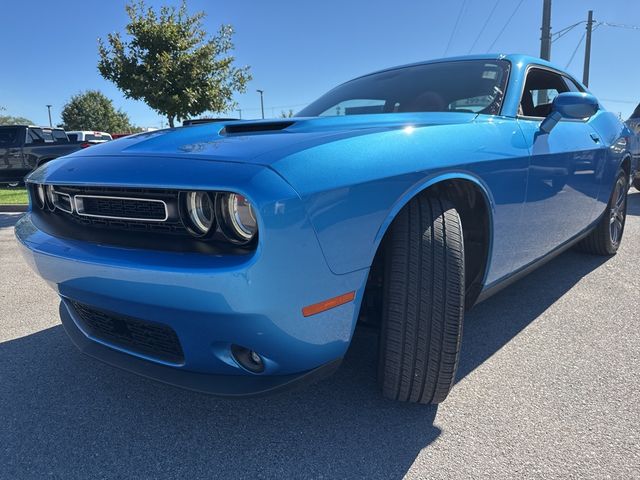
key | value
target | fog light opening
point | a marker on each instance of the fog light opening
(248, 359)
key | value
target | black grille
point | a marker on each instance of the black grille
(139, 224)
(122, 208)
(140, 336)
(133, 214)
(132, 225)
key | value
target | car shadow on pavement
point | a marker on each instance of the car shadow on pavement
(69, 416)
(8, 219)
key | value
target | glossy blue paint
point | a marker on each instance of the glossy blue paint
(575, 105)
(326, 191)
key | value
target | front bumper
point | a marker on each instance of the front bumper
(219, 385)
(211, 301)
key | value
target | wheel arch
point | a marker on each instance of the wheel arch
(475, 205)
(625, 164)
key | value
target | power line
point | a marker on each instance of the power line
(561, 33)
(633, 102)
(505, 25)
(485, 25)
(620, 25)
(576, 50)
(455, 27)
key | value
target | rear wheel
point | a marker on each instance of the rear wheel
(636, 183)
(606, 236)
(423, 302)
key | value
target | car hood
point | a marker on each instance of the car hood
(264, 142)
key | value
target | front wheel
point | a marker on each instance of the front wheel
(606, 237)
(636, 183)
(423, 302)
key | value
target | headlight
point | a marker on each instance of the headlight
(51, 197)
(40, 195)
(237, 218)
(198, 213)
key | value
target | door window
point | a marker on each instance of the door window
(9, 137)
(541, 87)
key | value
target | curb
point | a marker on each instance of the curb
(13, 208)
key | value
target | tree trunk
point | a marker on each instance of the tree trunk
(170, 118)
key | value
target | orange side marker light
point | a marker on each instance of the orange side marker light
(328, 304)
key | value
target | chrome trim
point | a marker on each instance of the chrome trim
(79, 208)
(62, 194)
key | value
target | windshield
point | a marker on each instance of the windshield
(97, 136)
(475, 86)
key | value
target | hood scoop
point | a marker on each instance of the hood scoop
(254, 128)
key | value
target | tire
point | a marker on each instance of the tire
(602, 240)
(423, 302)
(636, 183)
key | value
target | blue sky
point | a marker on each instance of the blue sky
(299, 49)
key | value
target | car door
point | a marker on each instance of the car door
(11, 158)
(564, 171)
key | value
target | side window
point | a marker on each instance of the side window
(59, 136)
(540, 88)
(47, 134)
(9, 137)
(34, 135)
(571, 85)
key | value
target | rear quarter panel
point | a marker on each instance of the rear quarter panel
(617, 137)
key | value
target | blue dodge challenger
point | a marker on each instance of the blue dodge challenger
(236, 258)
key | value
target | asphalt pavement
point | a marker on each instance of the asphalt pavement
(548, 387)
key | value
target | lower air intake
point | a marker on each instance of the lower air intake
(138, 336)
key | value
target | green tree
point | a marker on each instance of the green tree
(168, 62)
(11, 120)
(91, 110)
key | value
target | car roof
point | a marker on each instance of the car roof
(31, 126)
(516, 58)
(88, 131)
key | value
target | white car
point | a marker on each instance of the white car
(87, 136)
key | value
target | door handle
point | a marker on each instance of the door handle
(595, 138)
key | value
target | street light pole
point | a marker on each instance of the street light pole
(49, 110)
(239, 110)
(587, 50)
(261, 92)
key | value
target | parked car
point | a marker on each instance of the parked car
(25, 147)
(236, 258)
(634, 125)
(88, 137)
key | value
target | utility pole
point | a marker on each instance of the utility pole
(545, 38)
(261, 92)
(587, 50)
(49, 109)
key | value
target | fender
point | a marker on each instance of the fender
(427, 183)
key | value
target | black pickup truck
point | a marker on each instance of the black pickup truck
(24, 147)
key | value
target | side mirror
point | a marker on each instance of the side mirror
(570, 105)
